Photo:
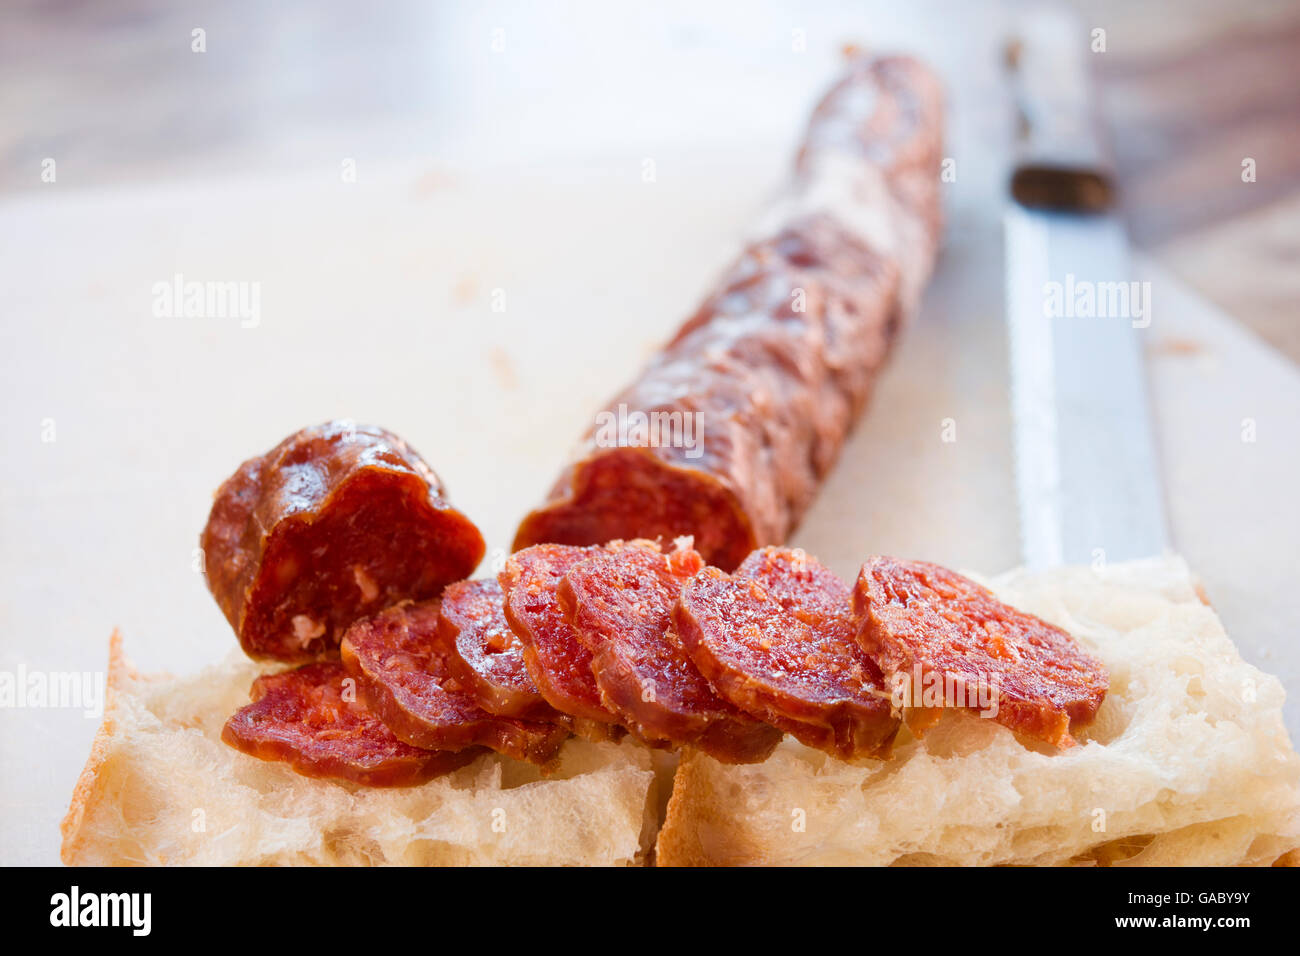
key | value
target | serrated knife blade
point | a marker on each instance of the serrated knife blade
(1085, 464)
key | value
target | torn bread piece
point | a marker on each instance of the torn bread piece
(1187, 763)
(161, 788)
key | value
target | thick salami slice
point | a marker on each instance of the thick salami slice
(557, 661)
(777, 640)
(309, 719)
(938, 629)
(399, 659)
(335, 522)
(488, 656)
(727, 433)
(619, 602)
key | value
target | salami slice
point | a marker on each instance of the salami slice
(335, 522)
(399, 659)
(619, 602)
(727, 434)
(557, 661)
(935, 628)
(488, 656)
(307, 719)
(777, 640)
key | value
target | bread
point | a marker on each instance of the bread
(1188, 761)
(161, 787)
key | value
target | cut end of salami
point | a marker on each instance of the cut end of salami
(400, 661)
(335, 522)
(312, 720)
(730, 429)
(557, 661)
(932, 630)
(777, 641)
(628, 493)
(619, 602)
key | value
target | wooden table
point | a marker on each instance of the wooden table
(1190, 95)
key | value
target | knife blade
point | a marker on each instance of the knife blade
(1086, 470)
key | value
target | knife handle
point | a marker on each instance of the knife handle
(1061, 161)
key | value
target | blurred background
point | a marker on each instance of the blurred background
(471, 222)
(113, 91)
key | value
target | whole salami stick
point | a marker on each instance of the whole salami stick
(729, 431)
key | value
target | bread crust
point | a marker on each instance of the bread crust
(86, 793)
(679, 843)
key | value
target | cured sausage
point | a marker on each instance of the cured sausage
(399, 660)
(311, 719)
(936, 628)
(488, 656)
(619, 603)
(872, 154)
(557, 661)
(335, 522)
(777, 640)
(732, 427)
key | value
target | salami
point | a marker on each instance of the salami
(872, 154)
(732, 427)
(938, 629)
(488, 656)
(557, 661)
(399, 660)
(335, 522)
(777, 640)
(619, 603)
(310, 719)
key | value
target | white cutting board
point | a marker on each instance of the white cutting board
(377, 303)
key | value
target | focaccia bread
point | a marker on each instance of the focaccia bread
(161, 788)
(1188, 761)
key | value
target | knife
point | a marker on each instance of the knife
(1085, 464)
